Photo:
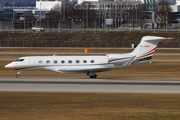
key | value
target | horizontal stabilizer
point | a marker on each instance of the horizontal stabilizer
(153, 38)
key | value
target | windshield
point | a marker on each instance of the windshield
(19, 60)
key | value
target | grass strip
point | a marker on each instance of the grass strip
(80, 106)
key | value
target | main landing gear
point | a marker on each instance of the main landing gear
(92, 75)
(17, 76)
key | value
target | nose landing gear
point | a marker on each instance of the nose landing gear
(17, 76)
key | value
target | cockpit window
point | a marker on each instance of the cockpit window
(19, 60)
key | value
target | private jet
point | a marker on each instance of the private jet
(89, 65)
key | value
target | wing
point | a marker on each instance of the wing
(85, 69)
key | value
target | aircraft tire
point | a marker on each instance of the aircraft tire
(93, 76)
(17, 76)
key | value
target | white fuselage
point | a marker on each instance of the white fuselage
(70, 64)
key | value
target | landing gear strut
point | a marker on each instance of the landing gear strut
(17, 76)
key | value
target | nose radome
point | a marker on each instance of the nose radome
(8, 66)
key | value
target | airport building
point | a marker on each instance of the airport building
(17, 13)
(43, 6)
(104, 6)
(1, 4)
(150, 4)
(47, 4)
(111, 4)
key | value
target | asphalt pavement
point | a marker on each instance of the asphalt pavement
(86, 85)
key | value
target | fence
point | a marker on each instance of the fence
(105, 44)
(23, 26)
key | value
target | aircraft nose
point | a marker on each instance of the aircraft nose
(6, 66)
(9, 66)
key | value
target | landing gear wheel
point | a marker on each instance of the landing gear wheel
(93, 76)
(17, 76)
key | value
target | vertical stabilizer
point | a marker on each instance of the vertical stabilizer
(144, 51)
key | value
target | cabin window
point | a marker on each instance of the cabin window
(77, 61)
(40, 62)
(55, 61)
(84, 61)
(70, 61)
(47, 61)
(92, 61)
(62, 61)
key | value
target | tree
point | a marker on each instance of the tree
(87, 13)
(163, 14)
(30, 19)
(143, 15)
(58, 13)
(137, 14)
(132, 16)
(52, 17)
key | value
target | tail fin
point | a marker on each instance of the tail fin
(144, 51)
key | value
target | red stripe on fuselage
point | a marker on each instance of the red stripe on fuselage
(149, 51)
